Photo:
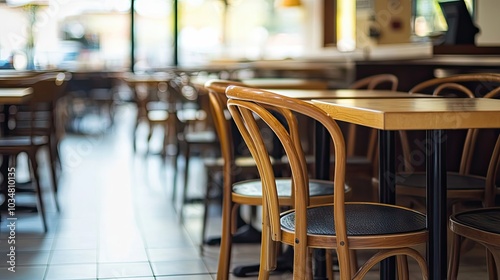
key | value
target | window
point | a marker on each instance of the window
(428, 17)
(240, 30)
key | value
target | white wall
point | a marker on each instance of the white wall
(488, 20)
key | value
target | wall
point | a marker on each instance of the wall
(488, 21)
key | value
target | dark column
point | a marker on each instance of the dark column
(176, 33)
(132, 35)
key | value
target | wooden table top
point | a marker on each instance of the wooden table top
(344, 93)
(415, 113)
(14, 95)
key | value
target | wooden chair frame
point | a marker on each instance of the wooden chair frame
(244, 104)
(231, 200)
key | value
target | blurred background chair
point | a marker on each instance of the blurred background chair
(482, 226)
(155, 106)
(89, 101)
(195, 131)
(337, 225)
(31, 127)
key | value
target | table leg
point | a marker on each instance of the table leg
(322, 170)
(387, 187)
(437, 222)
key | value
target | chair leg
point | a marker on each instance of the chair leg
(164, 148)
(226, 241)
(454, 256)
(54, 177)
(54, 149)
(150, 135)
(493, 262)
(185, 182)
(36, 182)
(174, 176)
(329, 265)
(134, 135)
(205, 214)
(403, 272)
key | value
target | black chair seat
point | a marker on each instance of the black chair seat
(486, 219)
(455, 181)
(361, 219)
(22, 141)
(284, 187)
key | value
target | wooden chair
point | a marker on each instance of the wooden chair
(247, 192)
(469, 184)
(155, 106)
(482, 226)
(463, 185)
(196, 132)
(47, 120)
(33, 129)
(389, 229)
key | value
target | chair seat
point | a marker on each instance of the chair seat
(455, 181)
(22, 141)
(284, 187)
(361, 219)
(486, 219)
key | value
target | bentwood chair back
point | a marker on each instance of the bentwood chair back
(463, 185)
(248, 192)
(474, 179)
(336, 225)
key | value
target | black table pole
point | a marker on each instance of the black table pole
(322, 169)
(387, 189)
(437, 220)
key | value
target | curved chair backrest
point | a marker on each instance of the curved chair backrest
(216, 91)
(472, 85)
(375, 81)
(48, 87)
(371, 82)
(494, 160)
(243, 104)
(485, 85)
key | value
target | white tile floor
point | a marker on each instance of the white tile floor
(117, 220)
